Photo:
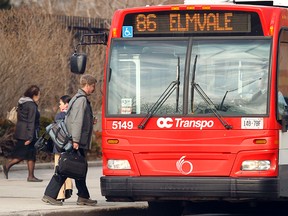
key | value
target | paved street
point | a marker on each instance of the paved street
(19, 197)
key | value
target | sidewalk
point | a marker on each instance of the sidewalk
(19, 197)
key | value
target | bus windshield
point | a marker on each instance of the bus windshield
(231, 73)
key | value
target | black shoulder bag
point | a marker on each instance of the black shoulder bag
(72, 164)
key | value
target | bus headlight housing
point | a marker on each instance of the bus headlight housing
(114, 164)
(255, 165)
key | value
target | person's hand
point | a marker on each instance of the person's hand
(75, 145)
(27, 142)
(95, 119)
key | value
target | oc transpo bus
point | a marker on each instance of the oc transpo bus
(194, 103)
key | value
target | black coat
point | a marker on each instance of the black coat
(28, 120)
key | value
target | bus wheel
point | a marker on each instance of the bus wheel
(167, 208)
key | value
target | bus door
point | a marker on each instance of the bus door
(282, 110)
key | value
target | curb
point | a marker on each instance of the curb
(85, 210)
(50, 165)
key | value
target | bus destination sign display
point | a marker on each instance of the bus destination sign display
(176, 22)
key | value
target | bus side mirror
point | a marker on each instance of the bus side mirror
(78, 63)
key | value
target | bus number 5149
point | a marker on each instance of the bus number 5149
(120, 125)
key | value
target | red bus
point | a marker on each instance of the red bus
(195, 103)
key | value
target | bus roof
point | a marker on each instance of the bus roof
(208, 5)
(282, 3)
(126, 16)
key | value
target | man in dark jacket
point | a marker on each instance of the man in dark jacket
(79, 123)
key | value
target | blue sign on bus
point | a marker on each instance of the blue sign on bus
(127, 31)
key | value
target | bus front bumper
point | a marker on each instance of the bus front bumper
(188, 188)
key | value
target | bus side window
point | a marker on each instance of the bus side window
(282, 84)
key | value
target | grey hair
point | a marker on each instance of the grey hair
(87, 79)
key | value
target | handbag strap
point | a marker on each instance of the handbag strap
(74, 152)
(70, 107)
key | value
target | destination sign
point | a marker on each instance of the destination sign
(176, 22)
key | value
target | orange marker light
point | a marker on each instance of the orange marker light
(190, 8)
(114, 32)
(206, 8)
(259, 141)
(271, 30)
(112, 141)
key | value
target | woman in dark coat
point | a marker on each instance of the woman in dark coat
(26, 133)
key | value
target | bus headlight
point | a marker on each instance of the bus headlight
(118, 164)
(255, 165)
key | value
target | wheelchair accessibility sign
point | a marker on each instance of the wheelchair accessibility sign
(127, 31)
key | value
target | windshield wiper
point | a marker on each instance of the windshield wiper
(164, 96)
(193, 81)
(211, 105)
(222, 102)
(205, 97)
(177, 85)
(161, 100)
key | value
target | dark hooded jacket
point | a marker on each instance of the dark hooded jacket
(28, 120)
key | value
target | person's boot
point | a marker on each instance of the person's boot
(85, 201)
(52, 201)
(5, 171)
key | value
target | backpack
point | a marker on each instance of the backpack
(59, 134)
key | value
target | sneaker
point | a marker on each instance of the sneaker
(52, 201)
(84, 201)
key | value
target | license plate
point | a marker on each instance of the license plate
(252, 123)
